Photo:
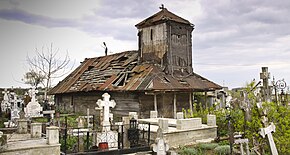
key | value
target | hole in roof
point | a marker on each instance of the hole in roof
(120, 80)
(90, 67)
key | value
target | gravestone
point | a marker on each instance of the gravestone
(15, 107)
(160, 146)
(106, 104)
(268, 131)
(33, 108)
(107, 136)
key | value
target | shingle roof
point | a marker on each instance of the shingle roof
(160, 16)
(122, 72)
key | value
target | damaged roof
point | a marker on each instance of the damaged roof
(122, 72)
(163, 15)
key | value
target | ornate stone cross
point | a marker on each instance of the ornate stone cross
(105, 104)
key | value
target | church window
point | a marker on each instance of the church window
(151, 34)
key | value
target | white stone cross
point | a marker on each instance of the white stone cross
(105, 104)
(32, 94)
(268, 131)
(14, 100)
(5, 97)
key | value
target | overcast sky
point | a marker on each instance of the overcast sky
(232, 39)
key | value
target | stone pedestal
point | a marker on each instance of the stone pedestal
(187, 124)
(179, 115)
(211, 120)
(22, 126)
(133, 115)
(126, 123)
(153, 114)
(52, 135)
(36, 130)
(163, 124)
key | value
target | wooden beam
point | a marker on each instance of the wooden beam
(190, 103)
(155, 102)
(174, 105)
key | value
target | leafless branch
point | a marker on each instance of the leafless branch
(47, 63)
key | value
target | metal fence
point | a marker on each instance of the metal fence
(99, 140)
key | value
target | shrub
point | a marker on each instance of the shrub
(189, 151)
(222, 150)
(207, 146)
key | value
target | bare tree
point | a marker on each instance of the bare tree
(47, 64)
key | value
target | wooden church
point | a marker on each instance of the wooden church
(158, 76)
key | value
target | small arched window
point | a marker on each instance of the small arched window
(151, 34)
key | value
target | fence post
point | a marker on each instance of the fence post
(65, 134)
(94, 126)
(148, 134)
(122, 140)
(78, 139)
(88, 140)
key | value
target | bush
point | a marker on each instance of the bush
(222, 150)
(207, 146)
(190, 151)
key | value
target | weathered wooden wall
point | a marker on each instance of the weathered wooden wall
(180, 46)
(125, 102)
(79, 102)
(153, 43)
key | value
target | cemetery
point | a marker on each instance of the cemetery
(35, 129)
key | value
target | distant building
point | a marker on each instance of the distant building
(158, 76)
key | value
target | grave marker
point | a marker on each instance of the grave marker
(107, 136)
(160, 146)
(106, 104)
(33, 108)
(268, 131)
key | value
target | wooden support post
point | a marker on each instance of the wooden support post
(190, 103)
(205, 100)
(155, 102)
(174, 105)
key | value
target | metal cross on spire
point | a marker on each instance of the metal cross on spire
(162, 7)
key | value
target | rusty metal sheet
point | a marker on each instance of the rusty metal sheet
(108, 82)
(137, 77)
